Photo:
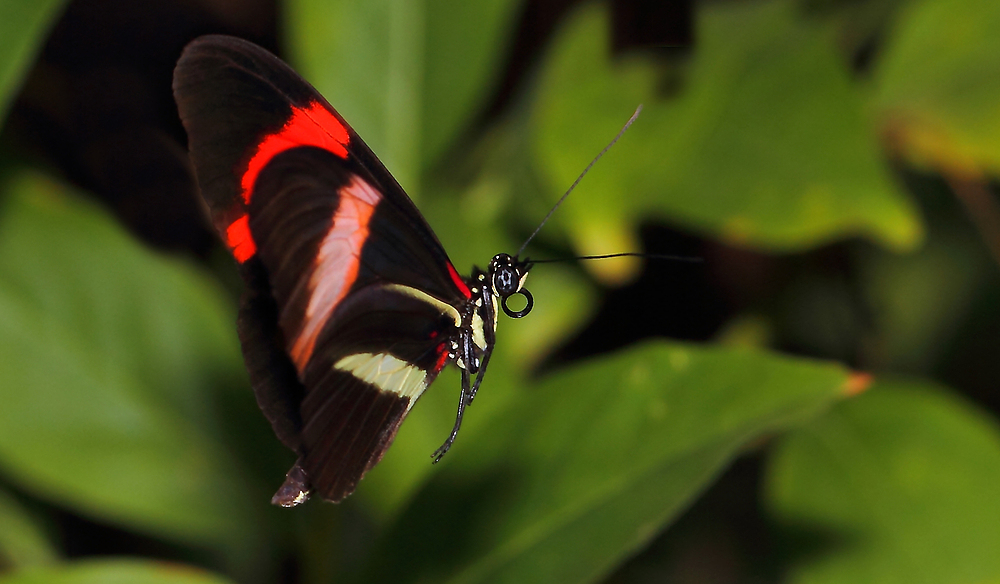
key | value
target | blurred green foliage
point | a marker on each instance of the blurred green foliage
(23, 27)
(766, 98)
(23, 541)
(122, 350)
(903, 479)
(114, 572)
(125, 400)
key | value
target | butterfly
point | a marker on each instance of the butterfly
(351, 306)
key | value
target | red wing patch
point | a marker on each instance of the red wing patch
(442, 350)
(310, 126)
(458, 281)
(239, 240)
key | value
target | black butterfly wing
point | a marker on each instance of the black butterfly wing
(351, 302)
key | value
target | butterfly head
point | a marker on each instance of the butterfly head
(506, 276)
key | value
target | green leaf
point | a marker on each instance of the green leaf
(588, 465)
(23, 26)
(937, 83)
(903, 480)
(766, 144)
(110, 359)
(408, 75)
(22, 541)
(122, 571)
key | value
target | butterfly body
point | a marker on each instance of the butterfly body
(352, 307)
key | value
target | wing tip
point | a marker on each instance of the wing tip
(295, 490)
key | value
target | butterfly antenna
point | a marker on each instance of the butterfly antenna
(577, 181)
(651, 256)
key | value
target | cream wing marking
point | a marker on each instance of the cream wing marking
(336, 265)
(386, 373)
(444, 307)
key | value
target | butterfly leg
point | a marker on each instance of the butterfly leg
(463, 400)
(479, 377)
(490, 336)
(468, 362)
(472, 366)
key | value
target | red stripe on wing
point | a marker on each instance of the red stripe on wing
(459, 282)
(239, 240)
(311, 126)
(442, 360)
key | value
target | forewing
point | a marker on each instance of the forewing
(242, 107)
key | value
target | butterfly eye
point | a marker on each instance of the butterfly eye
(505, 281)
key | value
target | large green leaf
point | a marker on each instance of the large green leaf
(409, 75)
(110, 361)
(766, 144)
(22, 541)
(23, 26)
(585, 467)
(905, 484)
(938, 80)
(113, 572)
